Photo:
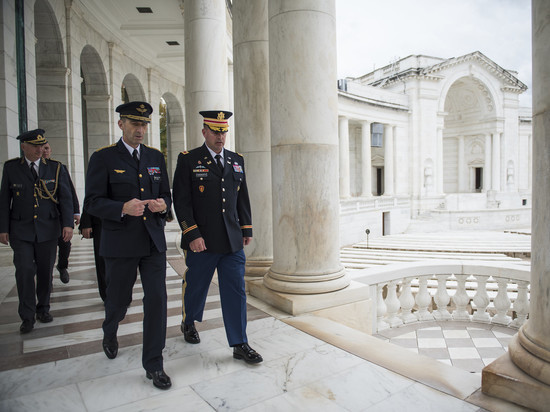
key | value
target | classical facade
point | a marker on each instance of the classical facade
(431, 143)
(420, 144)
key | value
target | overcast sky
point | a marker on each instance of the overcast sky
(372, 33)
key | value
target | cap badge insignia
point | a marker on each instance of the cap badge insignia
(221, 116)
(141, 109)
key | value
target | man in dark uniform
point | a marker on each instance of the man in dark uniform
(90, 227)
(35, 203)
(127, 188)
(212, 205)
(64, 247)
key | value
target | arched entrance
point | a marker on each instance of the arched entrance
(96, 116)
(51, 81)
(470, 118)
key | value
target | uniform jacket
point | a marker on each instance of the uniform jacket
(32, 210)
(209, 205)
(112, 179)
(76, 203)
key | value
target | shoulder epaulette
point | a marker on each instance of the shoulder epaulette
(151, 147)
(239, 154)
(105, 147)
(50, 160)
(184, 152)
(14, 159)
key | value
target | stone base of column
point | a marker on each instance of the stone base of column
(503, 379)
(257, 268)
(350, 306)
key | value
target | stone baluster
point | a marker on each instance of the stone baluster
(442, 298)
(393, 305)
(423, 299)
(461, 299)
(407, 302)
(381, 309)
(521, 305)
(481, 300)
(502, 303)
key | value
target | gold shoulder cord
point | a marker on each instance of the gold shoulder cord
(43, 191)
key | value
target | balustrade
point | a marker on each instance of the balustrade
(449, 294)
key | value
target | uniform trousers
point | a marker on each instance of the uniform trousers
(64, 252)
(121, 274)
(30, 259)
(99, 264)
(197, 278)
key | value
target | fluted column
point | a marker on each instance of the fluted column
(252, 127)
(461, 169)
(343, 138)
(304, 148)
(388, 160)
(487, 165)
(527, 380)
(495, 161)
(366, 166)
(205, 63)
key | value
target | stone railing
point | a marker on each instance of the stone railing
(461, 290)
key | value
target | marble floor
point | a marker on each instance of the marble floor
(310, 363)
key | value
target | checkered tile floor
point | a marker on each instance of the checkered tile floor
(466, 345)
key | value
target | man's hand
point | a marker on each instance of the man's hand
(197, 245)
(157, 205)
(134, 207)
(4, 238)
(246, 240)
(76, 220)
(87, 232)
(67, 234)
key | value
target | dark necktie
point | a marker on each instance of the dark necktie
(135, 156)
(33, 171)
(219, 162)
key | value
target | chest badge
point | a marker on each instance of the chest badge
(201, 188)
(119, 171)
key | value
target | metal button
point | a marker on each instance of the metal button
(140, 175)
(142, 189)
(223, 210)
(35, 216)
(144, 217)
(223, 200)
(223, 189)
(223, 180)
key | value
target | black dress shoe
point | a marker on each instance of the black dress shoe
(44, 317)
(190, 333)
(243, 351)
(160, 379)
(26, 326)
(110, 347)
(63, 275)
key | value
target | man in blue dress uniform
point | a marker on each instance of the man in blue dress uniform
(36, 208)
(127, 188)
(212, 206)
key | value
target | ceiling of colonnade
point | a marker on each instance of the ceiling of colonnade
(146, 33)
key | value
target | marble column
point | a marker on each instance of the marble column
(366, 157)
(526, 381)
(304, 148)
(461, 166)
(388, 160)
(487, 165)
(252, 127)
(495, 161)
(439, 168)
(205, 63)
(344, 170)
